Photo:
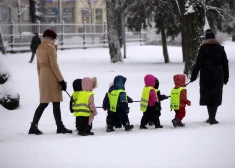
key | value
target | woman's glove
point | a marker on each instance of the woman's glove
(63, 85)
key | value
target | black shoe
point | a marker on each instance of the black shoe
(63, 130)
(83, 134)
(109, 129)
(208, 120)
(213, 121)
(143, 127)
(129, 127)
(90, 133)
(34, 130)
(158, 126)
(30, 61)
(174, 122)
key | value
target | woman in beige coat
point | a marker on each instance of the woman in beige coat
(51, 83)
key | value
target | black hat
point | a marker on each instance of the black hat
(209, 34)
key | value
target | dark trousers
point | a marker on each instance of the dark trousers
(117, 119)
(32, 57)
(56, 111)
(151, 114)
(212, 110)
(82, 124)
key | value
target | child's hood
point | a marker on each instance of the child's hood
(119, 82)
(179, 80)
(111, 87)
(77, 85)
(149, 80)
(88, 84)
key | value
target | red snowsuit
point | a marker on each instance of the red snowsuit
(179, 81)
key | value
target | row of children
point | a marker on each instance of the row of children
(116, 103)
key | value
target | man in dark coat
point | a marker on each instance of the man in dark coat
(212, 63)
(34, 45)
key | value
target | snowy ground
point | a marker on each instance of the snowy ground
(196, 145)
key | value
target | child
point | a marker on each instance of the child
(116, 102)
(149, 103)
(179, 100)
(84, 110)
(77, 87)
(159, 96)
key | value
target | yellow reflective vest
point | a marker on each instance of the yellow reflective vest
(175, 98)
(81, 107)
(113, 99)
(145, 98)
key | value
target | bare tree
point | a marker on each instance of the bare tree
(15, 6)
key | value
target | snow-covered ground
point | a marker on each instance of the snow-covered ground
(196, 145)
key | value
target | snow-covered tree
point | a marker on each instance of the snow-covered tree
(171, 18)
(194, 29)
(15, 6)
(113, 12)
(221, 15)
(34, 10)
(139, 12)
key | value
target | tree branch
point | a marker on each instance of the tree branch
(177, 3)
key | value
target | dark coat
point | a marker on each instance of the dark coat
(212, 63)
(35, 43)
(119, 83)
(120, 117)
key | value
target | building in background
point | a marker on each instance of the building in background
(90, 11)
(76, 11)
(73, 11)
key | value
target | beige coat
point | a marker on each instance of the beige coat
(49, 74)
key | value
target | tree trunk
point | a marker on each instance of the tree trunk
(164, 42)
(120, 29)
(19, 15)
(112, 28)
(32, 11)
(191, 32)
(233, 38)
(195, 22)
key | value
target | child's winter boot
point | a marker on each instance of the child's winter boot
(129, 127)
(109, 129)
(174, 122)
(91, 133)
(158, 126)
(180, 124)
(143, 127)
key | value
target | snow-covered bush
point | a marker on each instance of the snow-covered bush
(8, 97)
